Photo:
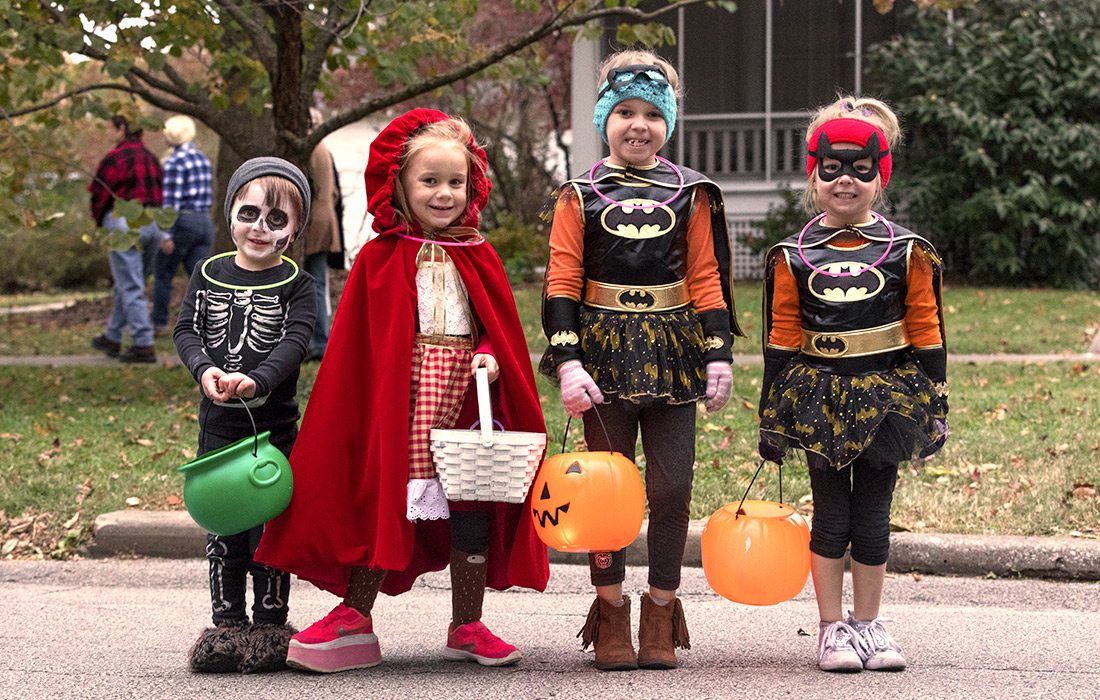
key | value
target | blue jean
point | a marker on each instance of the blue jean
(316, 264)
(193, 235)
(130, 307)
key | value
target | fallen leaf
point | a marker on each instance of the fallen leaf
(173, 500)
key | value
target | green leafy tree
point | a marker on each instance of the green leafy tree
(250, 69)
(1001, 165)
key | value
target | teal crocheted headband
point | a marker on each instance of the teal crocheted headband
(649, 85)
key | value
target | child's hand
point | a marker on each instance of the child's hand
(719, 385)
(487, 361)
(238, 386)
(578, 391)
(210, 381)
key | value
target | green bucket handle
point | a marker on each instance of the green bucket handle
(255, 478)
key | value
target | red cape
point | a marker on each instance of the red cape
(350, 461)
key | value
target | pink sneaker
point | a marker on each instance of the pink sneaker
(340, 641)
(474, 641)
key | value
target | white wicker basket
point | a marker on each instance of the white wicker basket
(483, 464)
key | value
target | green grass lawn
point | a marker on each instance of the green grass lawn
(1024, 456)
(978, 320)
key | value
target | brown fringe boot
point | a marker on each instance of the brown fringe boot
(661, 630)
(608, 629)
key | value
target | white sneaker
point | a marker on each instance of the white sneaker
(880, 651)
(839, 648)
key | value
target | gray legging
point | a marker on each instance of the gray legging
(668, 440)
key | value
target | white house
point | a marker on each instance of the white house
(750, 79)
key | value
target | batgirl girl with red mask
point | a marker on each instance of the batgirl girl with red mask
(855, 368)
(426, 303)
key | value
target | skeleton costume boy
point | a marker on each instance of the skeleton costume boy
(257, 323)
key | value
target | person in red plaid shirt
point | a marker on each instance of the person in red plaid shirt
(129, 172)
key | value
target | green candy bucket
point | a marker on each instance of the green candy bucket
(239, 486)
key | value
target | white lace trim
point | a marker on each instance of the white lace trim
(424, 500)
(441, 300)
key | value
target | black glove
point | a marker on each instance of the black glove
(775, 359)
(769, 451)
(933, 362)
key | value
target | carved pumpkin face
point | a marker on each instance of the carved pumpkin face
(759, 555)
(588, 502)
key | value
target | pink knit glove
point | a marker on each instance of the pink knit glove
(719, 385)
(578, 391)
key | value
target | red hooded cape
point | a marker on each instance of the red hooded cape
(350, 461)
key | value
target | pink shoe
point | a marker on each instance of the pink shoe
(340, 641)
(474, 641)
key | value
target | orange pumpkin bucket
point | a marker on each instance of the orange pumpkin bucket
(756, 552)
(588, 501)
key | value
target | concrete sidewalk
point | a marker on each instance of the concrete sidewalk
(172, 534)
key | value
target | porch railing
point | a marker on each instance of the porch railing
(752, 147)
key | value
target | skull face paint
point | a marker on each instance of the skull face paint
(261, 231)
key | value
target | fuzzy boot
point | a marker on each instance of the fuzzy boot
(220, 649)
(662, 628)
(266, 647)
(608, 629)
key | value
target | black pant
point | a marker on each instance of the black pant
(852, 505)
(668, 440)
(231, 561)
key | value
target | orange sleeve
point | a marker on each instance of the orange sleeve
(565, 271)
(922, 314)
(786, 329)
(704, 282)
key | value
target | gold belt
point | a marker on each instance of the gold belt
(870, 341)
(463, 342)
(636, 299)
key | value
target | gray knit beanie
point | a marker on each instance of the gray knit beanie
(267, 165)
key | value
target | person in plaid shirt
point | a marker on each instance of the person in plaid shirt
(189, 188)
(130, 172)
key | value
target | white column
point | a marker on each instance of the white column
(587, 144)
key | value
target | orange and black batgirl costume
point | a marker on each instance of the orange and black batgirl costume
(639, 283)
(855, 361)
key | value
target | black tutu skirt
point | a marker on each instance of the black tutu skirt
(633, 355)
(889, 416)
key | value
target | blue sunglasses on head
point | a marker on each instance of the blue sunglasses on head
(619, 78)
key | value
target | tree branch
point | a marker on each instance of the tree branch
(552, 25)
(72, 93)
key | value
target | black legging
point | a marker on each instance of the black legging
(852, 505)
(231, 561)
(668, 440)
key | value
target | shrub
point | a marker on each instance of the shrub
(1001, 167)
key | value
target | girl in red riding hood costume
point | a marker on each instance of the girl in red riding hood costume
(855, 368)
(427, 302)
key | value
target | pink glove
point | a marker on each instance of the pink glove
(578, 391)
(719, 385)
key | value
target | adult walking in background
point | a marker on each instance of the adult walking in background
(188, 188)
(129, 171)
(322, 238)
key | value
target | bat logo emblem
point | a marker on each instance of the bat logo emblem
(829, 345)
(637, 218)
(636, 299)
(861, 282)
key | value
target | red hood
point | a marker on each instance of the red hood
(382, 166)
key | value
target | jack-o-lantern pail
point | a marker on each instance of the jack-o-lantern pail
(588, 502)
(756, 552)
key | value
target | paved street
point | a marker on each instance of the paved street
(121, 628)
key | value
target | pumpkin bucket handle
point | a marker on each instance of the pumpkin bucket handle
(752, 481)
(569, 420)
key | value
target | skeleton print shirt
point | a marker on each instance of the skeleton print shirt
(258, 323)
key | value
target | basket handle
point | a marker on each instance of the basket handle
(484, 406)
